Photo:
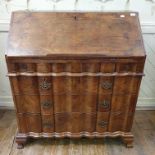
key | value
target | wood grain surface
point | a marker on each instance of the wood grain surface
(75, 34)
(143, 129)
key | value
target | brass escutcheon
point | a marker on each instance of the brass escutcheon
(106, 85)
(45, 85)
(103, 124)
(47, 125)
(105, 104)
(46, 104)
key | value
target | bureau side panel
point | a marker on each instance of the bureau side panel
(124, 99)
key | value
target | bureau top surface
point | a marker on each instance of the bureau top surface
(51, 34)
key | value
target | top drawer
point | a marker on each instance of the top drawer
(92, 66)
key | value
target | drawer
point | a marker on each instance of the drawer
(35, 123)
(29, 123)
(27, 103)
(104, 102)
(75, 122)
(102, 121)
(128, 84)
(85, 103)
(24, 85)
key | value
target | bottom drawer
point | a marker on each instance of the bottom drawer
(29, 123)
(75, 122)
(35, 123)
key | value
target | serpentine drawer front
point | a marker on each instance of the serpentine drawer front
(75, 74)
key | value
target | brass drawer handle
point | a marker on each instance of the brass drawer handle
(103, 124)
(47, 125)
(46, 104)
(105, 104)
(45, 85)
(106, 85)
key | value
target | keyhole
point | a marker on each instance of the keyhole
(75, 17)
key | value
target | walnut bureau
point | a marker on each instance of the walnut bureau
(75, 74)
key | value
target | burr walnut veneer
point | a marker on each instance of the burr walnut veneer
(75, 74)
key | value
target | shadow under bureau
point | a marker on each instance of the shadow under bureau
(75, 74)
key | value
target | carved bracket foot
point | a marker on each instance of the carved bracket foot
(21, 141)
(128, 141)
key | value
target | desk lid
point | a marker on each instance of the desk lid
(91, 34)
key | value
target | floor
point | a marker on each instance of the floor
(143, 129)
